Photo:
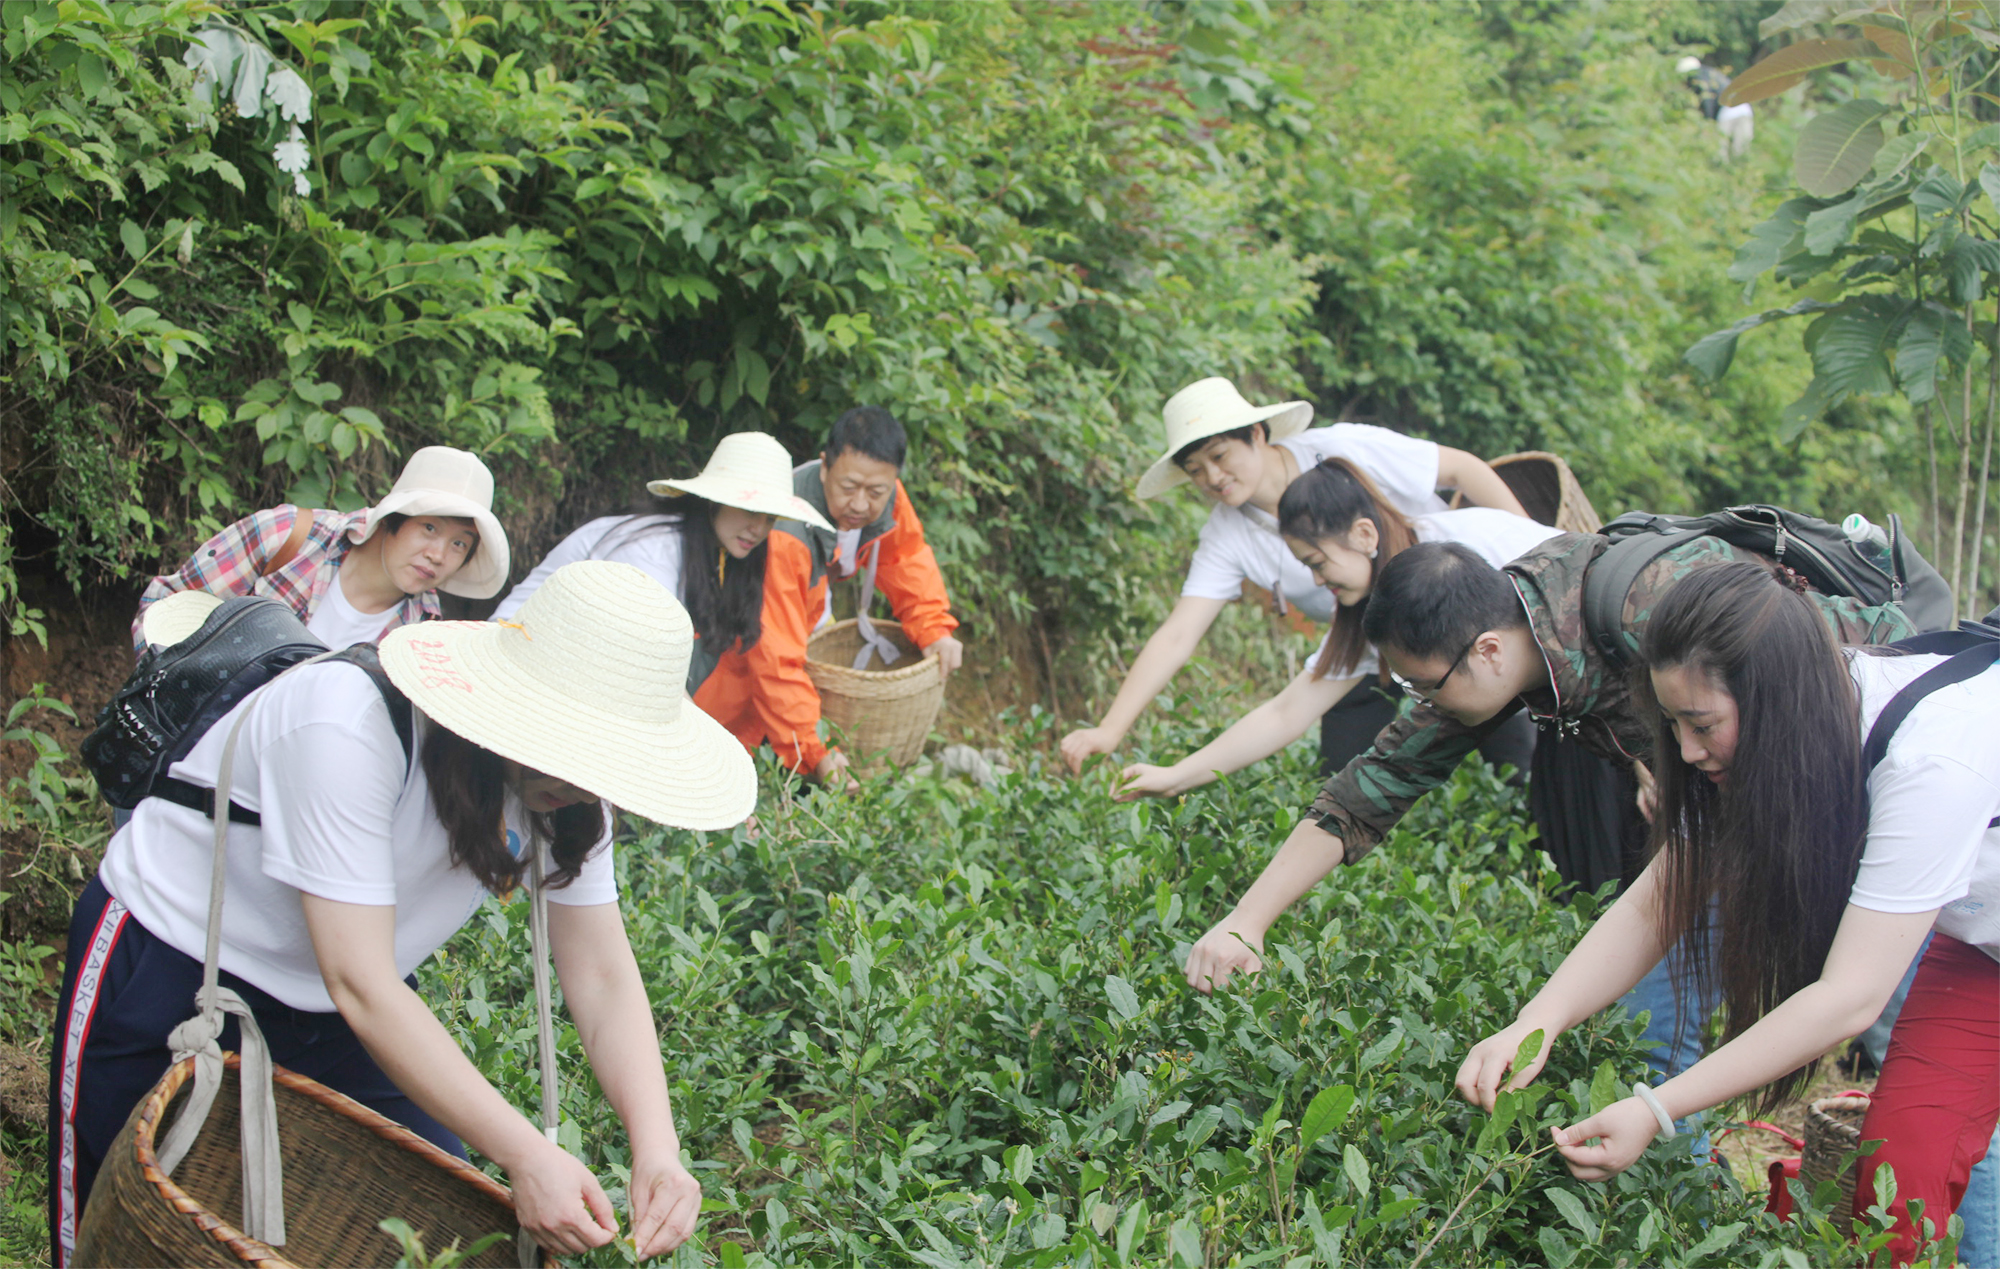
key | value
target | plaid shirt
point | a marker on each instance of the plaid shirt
(233, 562)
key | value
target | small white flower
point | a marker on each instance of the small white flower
(289, 94)
(301, 184)
(291, 154)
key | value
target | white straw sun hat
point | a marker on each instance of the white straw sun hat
(751, 472)
(1207, 408)
(442, 481)
(174, 618)
(585, 684)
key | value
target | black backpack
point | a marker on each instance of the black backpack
(1816, 549)
(1973, 648)
(177, 693)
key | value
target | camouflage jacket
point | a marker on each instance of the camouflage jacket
(1587, 697)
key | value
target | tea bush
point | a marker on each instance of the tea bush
(934, 1025)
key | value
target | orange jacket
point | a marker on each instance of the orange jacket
(766, 694)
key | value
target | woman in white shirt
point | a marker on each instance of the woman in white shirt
(362, 865)
(1242, 457)
(1339, 527)
(708, 551)
(1820, 878)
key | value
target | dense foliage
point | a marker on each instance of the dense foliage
(943, 1027)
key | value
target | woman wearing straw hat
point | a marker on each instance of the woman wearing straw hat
(708, 548)
(526, 734)
(352, 578)
(1241, 457)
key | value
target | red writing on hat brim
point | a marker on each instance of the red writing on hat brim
(438, 671)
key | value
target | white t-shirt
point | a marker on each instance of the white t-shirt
(655, 550)
(319, 761)
(1240, 544)
(339, 624)
(1930, 802)
(1498, 536)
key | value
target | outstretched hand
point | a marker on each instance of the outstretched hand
(1144, 780)
(1622, 1131)
(666, 1202)
(1480, 1076)
(1230, 948)
(1084, 742)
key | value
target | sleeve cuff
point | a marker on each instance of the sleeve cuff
(1357, 840)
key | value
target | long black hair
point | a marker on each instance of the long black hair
(468, 794)
(724, 596)
(1762, 863)
(1326, 502)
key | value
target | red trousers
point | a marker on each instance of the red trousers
(1939, 1095)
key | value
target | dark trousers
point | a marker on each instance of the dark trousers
(124, 991)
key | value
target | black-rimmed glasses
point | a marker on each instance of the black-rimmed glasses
(1425, 695)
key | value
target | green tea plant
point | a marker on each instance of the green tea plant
(933, 1025)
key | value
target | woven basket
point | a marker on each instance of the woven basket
(346, 1168)
(1548, 491)
(887, 710)
(1833, 1131)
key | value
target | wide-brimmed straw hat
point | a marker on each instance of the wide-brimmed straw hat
(749, 471)
(1207, 408)
(442, 481)
(586, 684)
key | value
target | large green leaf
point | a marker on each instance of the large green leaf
(1900, 152)
(1770, 241)
(1837, 148)
(1851, 355)
(1798, 13)
(1791, 64)
(1711, 354)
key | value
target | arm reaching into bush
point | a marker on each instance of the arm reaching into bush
(1250, 739)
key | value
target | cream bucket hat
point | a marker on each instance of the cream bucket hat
(751, 472)
(442, 481)
(1207, 408)
(585, 684)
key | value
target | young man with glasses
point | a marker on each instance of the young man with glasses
(1471, 645)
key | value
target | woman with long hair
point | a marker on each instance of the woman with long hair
(1240, 458)
(362, 864)
(1808, 879)
(708, 545)
(1338, 525)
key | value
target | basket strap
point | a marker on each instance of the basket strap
(528, 1250)
(198, 1038)
(871, 642)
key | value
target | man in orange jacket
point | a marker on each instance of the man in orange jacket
(855, 484)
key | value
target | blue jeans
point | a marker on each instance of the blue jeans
(1980, 1208)
(1673, 1037)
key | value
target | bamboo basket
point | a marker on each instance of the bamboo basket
(888, 710)
(346, 1168)
(1833, 1130)
(1548, 490)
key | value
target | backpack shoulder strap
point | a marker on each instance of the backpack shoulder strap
(301, 527)
(362, 656)
(1609, 580)
(1972, 661)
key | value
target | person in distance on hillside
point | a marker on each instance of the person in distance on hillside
(865, 527)
(1821, 875)
(1240, 458)
(708, 546)
(352, 578)
(1337, 524)
(526, 734)
(1471, 644)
